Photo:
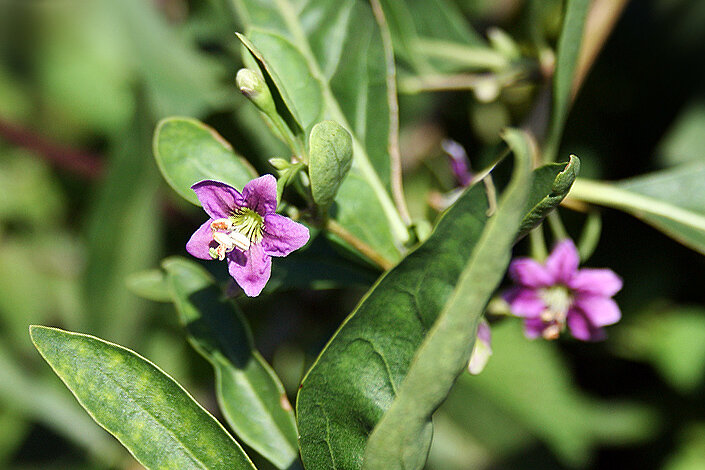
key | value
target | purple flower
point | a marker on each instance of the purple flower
(552, 295)
(245, 230)
(459, 162)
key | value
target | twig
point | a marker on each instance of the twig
(393, 145)
(81, 163)
(369, 252)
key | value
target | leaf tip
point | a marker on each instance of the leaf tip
(564, 179)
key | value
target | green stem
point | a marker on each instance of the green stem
(557, 228)
(370, 253)
(590, 235)
(461, 54)
(538, 244)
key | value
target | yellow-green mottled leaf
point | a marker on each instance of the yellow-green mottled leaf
(145, 409)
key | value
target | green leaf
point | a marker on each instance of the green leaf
(145, 409)
(690, 453)
(330, 157)
(527, 390)
(402, 438)
(123, 235)
(326, 58)
(187, 151)
(685, 139)
(569, 43)
(14, 431)
(356, 377)
(177, 76)
(30, 395)
(549, 186)
(673, 340)
(249, 393)
(150, 284)
(403, 32)
(442, 19)
(672, 200)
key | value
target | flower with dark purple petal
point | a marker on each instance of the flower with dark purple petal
(554, 294)
(245, 230)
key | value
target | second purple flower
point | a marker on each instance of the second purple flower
(245, 230)
(557, 294)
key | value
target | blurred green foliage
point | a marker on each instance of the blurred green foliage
(83, 84)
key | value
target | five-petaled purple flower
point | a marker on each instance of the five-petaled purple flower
(245, 230)
(552, 295)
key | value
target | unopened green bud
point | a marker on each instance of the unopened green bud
(330, 157)
(253, 86)
(503, 43)
(279, 163)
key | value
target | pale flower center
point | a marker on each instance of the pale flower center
(558, 300)
(242, 229)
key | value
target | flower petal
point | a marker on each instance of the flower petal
(484, 333)
(482, 350)
(602, 282)
(529, 273)
(524, 302)
(218, 199)
(599, 310)
(563, 261)
(581, 328)
(251, 270)
(200, 241)
(282, 235)
(261, 194)
(533, 327)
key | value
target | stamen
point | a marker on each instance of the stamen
(222, 224)
(240, 231)
(239, 240)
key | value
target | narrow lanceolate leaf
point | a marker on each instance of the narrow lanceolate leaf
(187, 151)
(145, 409)
(549, 186)
(567, 54)
(326, 58)
(357, 376)
(249, 393)
(672, 200)
(402, 438)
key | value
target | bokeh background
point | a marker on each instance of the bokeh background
(83, 207)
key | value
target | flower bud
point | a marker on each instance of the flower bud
(483, 348)
(279, 163)
(253, 86)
